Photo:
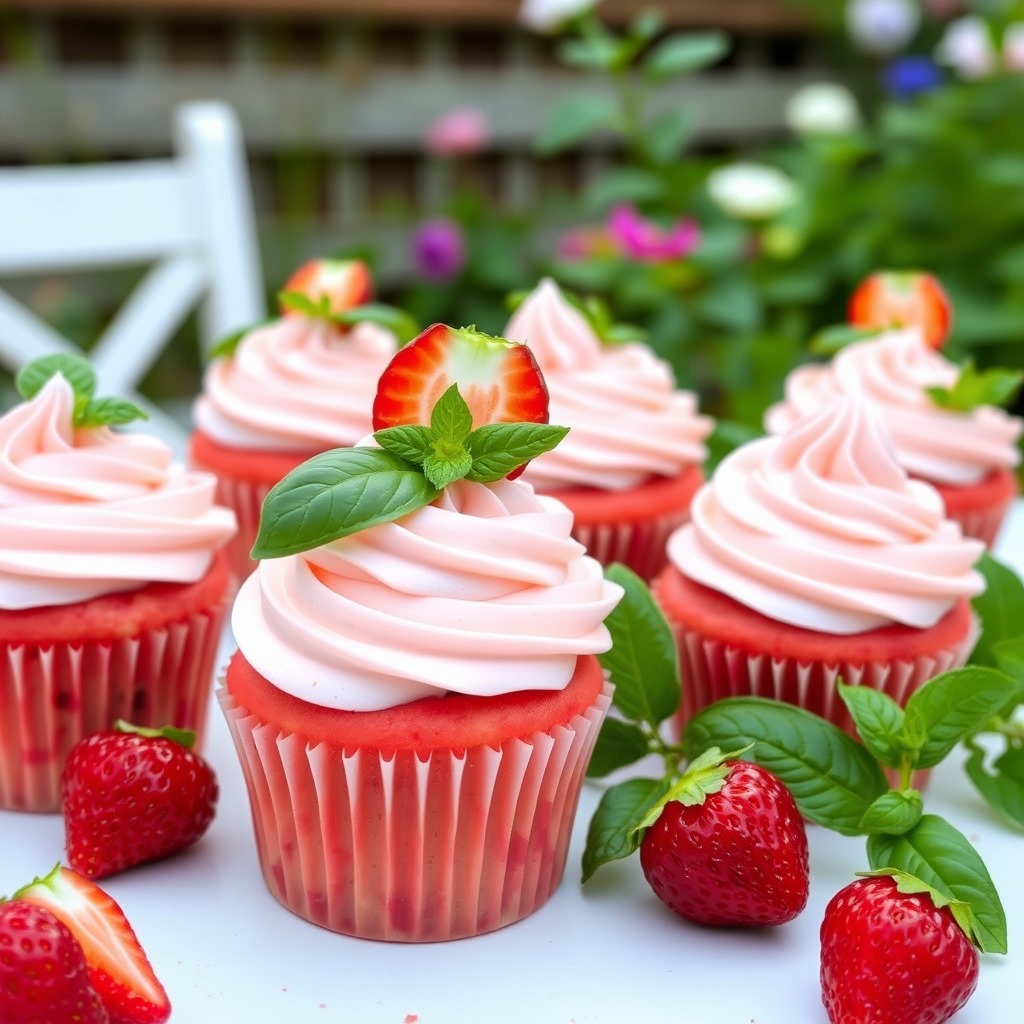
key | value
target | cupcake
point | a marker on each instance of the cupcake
(968, 456)
(812, 557)
(112, 581)
(632, 461)
(289, 390)
(415, 695)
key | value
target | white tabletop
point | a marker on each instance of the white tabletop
(227, 951)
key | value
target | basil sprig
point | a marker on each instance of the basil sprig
(972, 388)
(88, 411)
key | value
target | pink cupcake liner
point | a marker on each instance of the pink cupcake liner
(983, 524)
(713, 669)
(409, 849)
(53, 696)
(245, 498)
(638, 545)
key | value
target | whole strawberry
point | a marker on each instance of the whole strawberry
(892, 957)
(44, 978)
(728, 847)
(132, 795)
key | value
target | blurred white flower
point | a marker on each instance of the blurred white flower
(751, 191)
(1013, 47)
(966, 46)
(882, 27)
(824, 108)
(546, 15)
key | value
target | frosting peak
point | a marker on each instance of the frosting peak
(558, 334)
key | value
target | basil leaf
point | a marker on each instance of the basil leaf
(76, 370)
(956, 705)
(397, 321)
(1000, 608)
(300, 302)
(618, 744)
(643, 662)
(335, 494)
(610, 835)
(893, 813)
(940, 856)
(411, 443)
(450, 419)
(499, 448)
(683, 54)
(973, 389)
(103, 412)
(1003, 787)
(227, 345)
(442, 470)
(879, 721)
(830, 340)
(832, 777)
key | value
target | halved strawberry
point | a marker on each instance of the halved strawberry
(904, 299)
(118, 968)
(500, 380)
(346, 283)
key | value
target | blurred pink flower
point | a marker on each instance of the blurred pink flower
(438, 249)
(643, 240)
(584, 243)
(460, 132)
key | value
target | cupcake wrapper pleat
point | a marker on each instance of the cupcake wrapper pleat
(983, 524)
(640, 546)
(245, 498)
(53, 696)
(408, 849)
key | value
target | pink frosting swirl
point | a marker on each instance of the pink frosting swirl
(297, 384)
(483, 592)
(627, 420)
(91, 512)
(821, 528)
(892, 372)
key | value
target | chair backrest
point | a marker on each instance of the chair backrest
(191, 216)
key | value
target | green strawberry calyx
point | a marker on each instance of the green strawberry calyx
(184, 737)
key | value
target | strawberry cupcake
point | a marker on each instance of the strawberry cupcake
(812, 557)
(632, 460)
(287, 391)
(112, 582)
(415, 695)
(967, 454)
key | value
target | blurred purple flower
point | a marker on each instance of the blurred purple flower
(643, 240)
(438, 249)
(460, 132)
(578, 244)
(909, 76)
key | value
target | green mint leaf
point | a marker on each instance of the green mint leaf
(830, 340)
(1000, 609)
(335, 494)
(226, 346)
(683, 54)
(643, 662)
(76, 370)
(941, 857)
(499, 448)
(956, 705)
(397, 321)
(300, 302)
(973, 389)
(108, 412)
(879, 722)
(610, 835)
(410, 443)
(444, 469)
(832, 777)
(1002, 786)
(618, 744)
(893, 813)
(450, 419)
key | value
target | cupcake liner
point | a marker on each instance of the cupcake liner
(638, 545)
(413, 848)
(53, 696)
(983, 523)
(245, 499)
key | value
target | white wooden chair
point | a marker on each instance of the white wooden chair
(191, 216)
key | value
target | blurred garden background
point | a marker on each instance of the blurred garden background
(717, 174)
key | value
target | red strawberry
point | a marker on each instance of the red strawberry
(130, 795)
(889, 957)
(735, 856)
(43, 975)
(346, 283)
(903, 300)
(118, 968)
(499, 379)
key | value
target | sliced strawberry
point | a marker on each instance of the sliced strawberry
(903, 300)
(499, 379)
(346, 283)
(118, 968)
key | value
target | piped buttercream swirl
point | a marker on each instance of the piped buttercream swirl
(483, 592)
(627, 420)
(89, 512)
(892, 372)
(821, 528)
(297, 384)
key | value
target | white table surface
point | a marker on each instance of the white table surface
(227, 951)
